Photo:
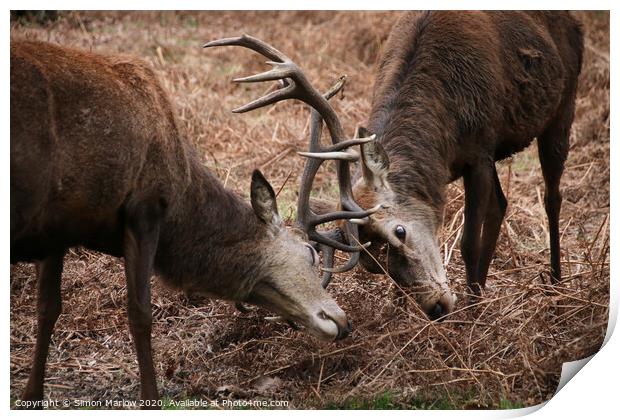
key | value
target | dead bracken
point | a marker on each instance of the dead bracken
(509, 347)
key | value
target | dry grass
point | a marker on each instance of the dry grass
(511, 346)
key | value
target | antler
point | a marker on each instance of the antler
(332, 239)
(295, 85)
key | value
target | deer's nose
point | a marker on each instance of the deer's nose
(437, 312)
(343, 332)
(443, 307)
(340, 319)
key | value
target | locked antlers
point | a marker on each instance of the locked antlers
(295, 85)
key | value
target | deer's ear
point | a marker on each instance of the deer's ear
(264, 200)
(375, 162)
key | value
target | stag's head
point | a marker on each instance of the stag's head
(403, 235)
(291, 286)
(289, 282)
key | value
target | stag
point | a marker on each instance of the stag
(456, 92)
(98, 160)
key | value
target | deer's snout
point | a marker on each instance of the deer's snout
(339, 318)
(443, 307)
(344, 332)
(437, 312)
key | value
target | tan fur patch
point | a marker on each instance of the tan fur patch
(365, 196)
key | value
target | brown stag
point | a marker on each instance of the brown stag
(454, 93)
(98, 159)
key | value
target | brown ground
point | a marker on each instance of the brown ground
(508, 350)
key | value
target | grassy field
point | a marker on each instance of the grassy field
(506, 353)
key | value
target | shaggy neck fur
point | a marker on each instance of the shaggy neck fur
(432, 94)
(210, 240)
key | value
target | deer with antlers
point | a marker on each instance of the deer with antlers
(98, 159)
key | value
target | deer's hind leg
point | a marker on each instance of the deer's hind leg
(552, 151)
(49, 306)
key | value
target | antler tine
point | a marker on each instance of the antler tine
(339, 215)
(328, 263)
(252, 43)
(328, 259)
(350, 156)
(271, 98)
(320, 239)
(280, 71)
(337, 87)
(345, 144)
(350, 265)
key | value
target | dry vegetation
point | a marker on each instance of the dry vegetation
(510, 347)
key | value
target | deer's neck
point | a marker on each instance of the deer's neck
(420, 147)
(209, 241)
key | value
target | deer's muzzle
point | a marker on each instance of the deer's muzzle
(344, 332)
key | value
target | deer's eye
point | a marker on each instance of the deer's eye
(400, 233)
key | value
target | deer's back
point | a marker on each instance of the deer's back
(89, 133)
(541, 56)
(490, 80)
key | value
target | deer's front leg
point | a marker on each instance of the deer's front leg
(477, 180)
(496, 209)
(140, 245)
(49, 305)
